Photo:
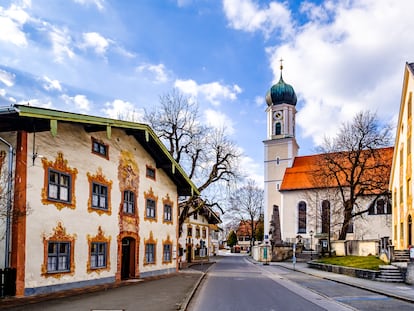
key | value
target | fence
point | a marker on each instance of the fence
(7, 282)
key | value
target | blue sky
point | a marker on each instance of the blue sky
(105, 57)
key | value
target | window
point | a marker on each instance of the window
(58, 257)
(380, 207)
(195, 216)
(189, 231)
(278, 128)
(326, 216)
(277, 161)
(150, 172)
(167, 213)
(150, 205)
(204, 233)
(59, 186)
(59, 183)
(197, 233)
(99, 193)
(129, 202)
(302, 217)
(167, 253)
(98, 255)
(99, 196)
(58, 250)
(150, 209)
(149, 253)
(350, 226)
(99, 249)
(99, 148)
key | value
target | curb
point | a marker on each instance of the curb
(190, 296)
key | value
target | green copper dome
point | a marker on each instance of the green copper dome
(281, 93)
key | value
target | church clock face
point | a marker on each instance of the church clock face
(277, 115)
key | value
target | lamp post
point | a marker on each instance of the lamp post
(311, 235)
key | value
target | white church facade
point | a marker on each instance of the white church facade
(305, 211)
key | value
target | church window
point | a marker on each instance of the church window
(326, 213)
(350, 226)
(379, 207)
(302, 217)
(278, 128)
(277, 161)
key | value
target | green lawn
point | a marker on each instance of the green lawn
(361, 262)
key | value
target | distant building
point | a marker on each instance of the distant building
(198, 239)
(244, 234)
(93, 200)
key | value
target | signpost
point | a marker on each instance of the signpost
(294, 255)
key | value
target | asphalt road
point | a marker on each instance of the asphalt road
(236, 284)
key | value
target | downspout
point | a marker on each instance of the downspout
(9, 200)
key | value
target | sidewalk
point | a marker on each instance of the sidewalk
(395, 290)
(170, 292)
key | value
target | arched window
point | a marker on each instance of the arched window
(278, 128)
(302, 217)
(326, 213)
(380, 207)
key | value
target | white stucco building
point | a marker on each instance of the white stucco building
(94, 200)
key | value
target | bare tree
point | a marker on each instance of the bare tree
(247, 206)
(355, 164)
(207, 154)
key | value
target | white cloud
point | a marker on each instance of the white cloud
(51, 84)
(248, 16)
(158, 72)
(119, 109)
(36, 103)
(250, 169)
(12, 21)
(61, 43)
(7, 78)
(219, 121)
(347, 63)
(95, 41)
(80, 102)
(259, 101)
(98, 3)
(213, 92)
(183, 3)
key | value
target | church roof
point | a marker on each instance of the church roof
(301, 176)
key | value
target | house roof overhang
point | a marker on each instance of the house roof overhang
(36, 119)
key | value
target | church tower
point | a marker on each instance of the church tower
(280, 146)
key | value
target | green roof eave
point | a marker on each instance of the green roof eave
(49, 114)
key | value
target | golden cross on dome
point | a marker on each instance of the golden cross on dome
(281, 63)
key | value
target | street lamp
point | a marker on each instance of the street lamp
(311, 235)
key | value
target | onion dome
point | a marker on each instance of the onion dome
(281, 93)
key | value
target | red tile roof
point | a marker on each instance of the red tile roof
(301, 175)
